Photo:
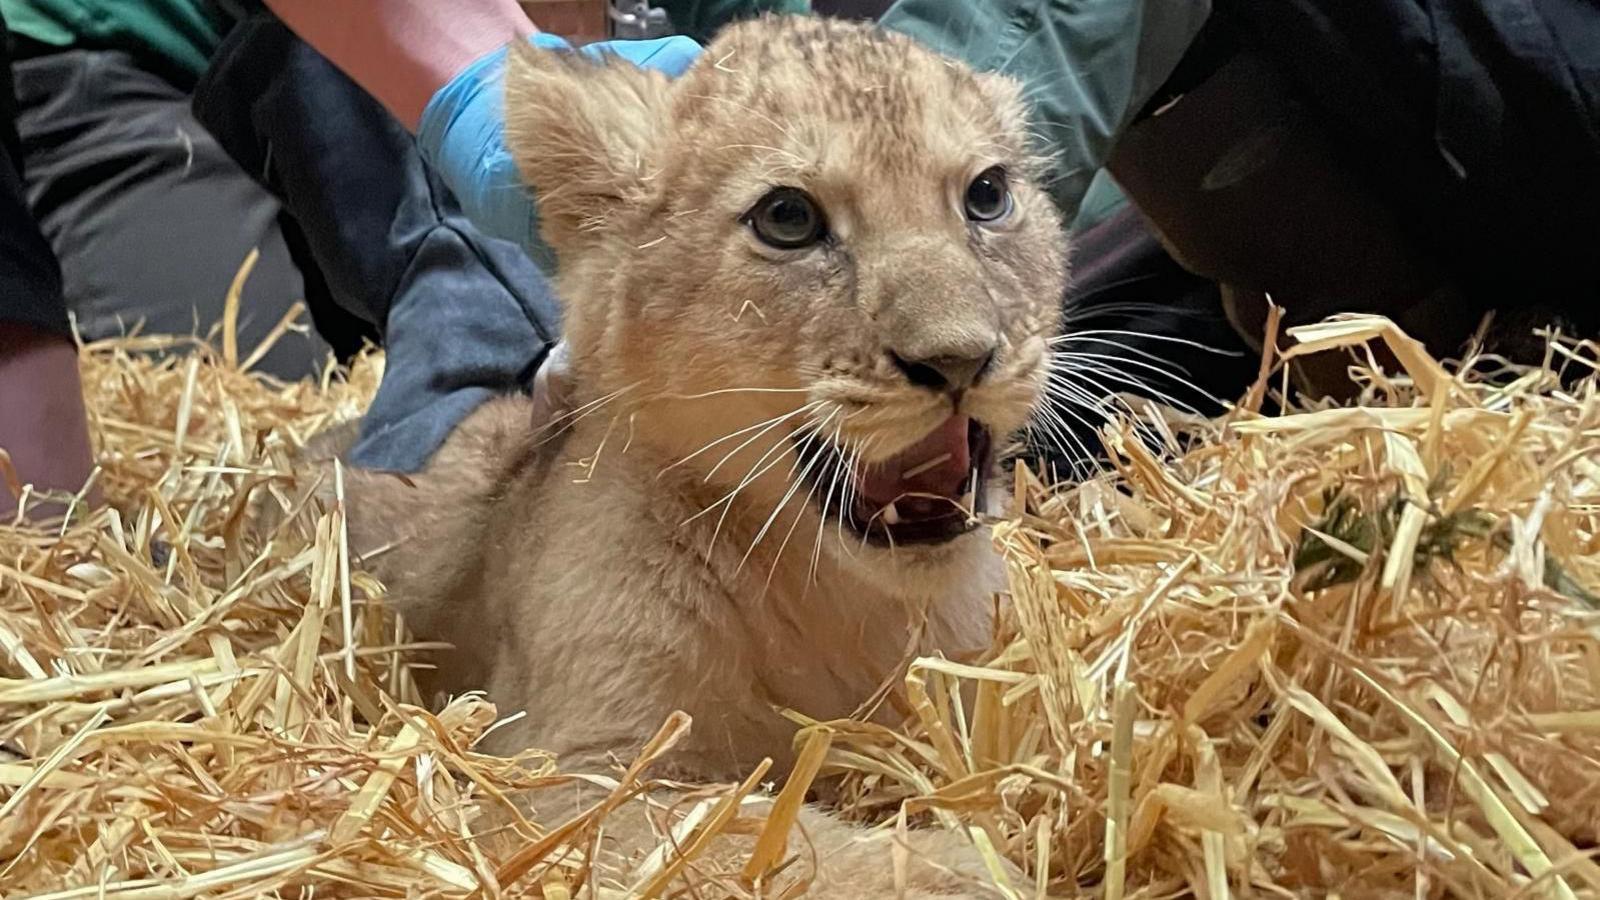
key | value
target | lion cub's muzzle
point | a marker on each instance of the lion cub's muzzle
(929, 493)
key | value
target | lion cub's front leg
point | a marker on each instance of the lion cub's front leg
(857, 862)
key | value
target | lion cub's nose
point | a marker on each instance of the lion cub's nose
(951, 372)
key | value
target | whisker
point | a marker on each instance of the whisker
(1100, 333)
(1104, 407)
(764, 427)
(795, 485)
(748, 442)
(1129, 356)
(1086, 372)
(1116, 366)
(1057, 429)
(799, 514)
(1132, 355)
(837, 463)
(1120, 383)
(571, 418)
(751, 475)
(727, 500)
(1076, 310)
(1073, 386)
(859, 447)
(1077, 395)
(744, 390)
(1054, 422)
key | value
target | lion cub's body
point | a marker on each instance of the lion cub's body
(578, 595)
(693, 534)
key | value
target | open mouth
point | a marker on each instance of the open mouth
(929, 493)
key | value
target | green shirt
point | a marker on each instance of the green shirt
(174, 38)
(1087, 67)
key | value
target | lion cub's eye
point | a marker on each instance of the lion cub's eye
(787, 218)
(988, 196)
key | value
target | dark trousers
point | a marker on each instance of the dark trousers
(150, 219)
(30, 277)
(1431, 160)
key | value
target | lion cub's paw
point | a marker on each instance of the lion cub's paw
(856, 864)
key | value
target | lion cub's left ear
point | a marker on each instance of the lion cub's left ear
(579, 129)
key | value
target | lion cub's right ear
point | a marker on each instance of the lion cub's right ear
(579, 128)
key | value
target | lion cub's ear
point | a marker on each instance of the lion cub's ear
(579, 129)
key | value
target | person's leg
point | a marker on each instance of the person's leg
(1440, 160)
(463, 316)
(151, 220)
(1476, 121)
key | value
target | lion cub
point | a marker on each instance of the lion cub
(808, 290)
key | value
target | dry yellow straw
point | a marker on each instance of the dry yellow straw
(1364, 643)
(1337, 651)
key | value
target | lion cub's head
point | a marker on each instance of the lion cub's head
(818, 270)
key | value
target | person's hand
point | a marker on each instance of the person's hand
(43, 427)
(462, 134)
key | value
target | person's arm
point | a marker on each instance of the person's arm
(403, 51)
(43, 426)
(437, 66)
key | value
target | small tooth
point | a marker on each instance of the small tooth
(891, 516)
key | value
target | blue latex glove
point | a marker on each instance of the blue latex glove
(462, 135)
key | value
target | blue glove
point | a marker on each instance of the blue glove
(462, 135)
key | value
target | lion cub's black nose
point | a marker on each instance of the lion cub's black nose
(945, 373)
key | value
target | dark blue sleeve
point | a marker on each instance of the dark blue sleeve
(463, 316)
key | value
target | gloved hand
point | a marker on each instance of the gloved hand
(462, 135)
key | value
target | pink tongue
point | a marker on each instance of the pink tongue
(886, 481)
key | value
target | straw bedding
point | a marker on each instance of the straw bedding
(1339, 652)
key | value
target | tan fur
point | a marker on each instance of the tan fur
(572, 565)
